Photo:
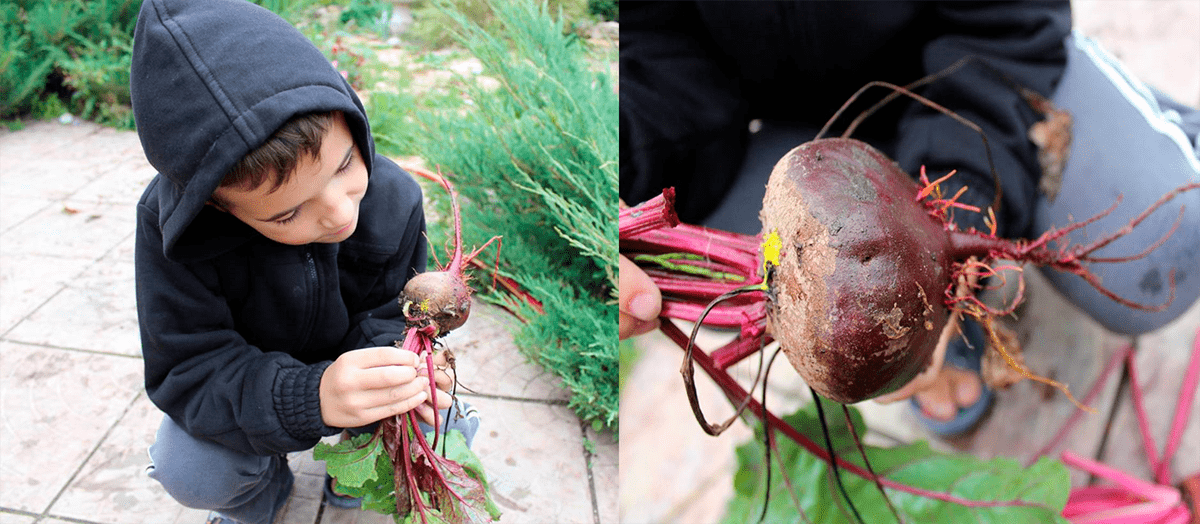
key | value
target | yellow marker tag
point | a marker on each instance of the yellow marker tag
(771, 246)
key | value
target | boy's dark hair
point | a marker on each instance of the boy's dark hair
(277, 157)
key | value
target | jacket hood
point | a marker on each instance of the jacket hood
(211, 80)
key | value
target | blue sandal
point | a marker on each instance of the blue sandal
(965, 354)
(339, 501)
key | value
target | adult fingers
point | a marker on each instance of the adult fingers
(639, 300)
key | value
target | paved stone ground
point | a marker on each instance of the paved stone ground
(75, 421)
(690, 481)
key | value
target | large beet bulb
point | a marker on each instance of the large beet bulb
(858, 295)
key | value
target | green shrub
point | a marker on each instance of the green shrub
(77, 52)
(430, 22)
(536, 161)
(74, 48)
(604, 9)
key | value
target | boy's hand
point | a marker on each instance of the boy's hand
(640, 300)
(370, 384)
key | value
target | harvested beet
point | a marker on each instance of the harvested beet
(856, 295)
(440, 297)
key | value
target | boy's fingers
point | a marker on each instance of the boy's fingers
(444, 400)
(382, 356)
(426, 413)
(402, 405)
(443, 380)
(386, 377)
(640, 301)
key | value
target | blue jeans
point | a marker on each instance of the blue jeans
(248, 488)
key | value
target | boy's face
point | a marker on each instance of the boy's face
(319, 203)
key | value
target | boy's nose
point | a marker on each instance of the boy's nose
(338, 211)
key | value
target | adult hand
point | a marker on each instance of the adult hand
(640, 301)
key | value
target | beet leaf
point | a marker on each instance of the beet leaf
(460, 494)
(997, 490)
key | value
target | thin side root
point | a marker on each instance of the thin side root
(985, 320)
(688, 369)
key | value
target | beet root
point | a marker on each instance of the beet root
(856, 300)
(437, 297)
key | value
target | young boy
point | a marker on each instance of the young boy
(271, 249)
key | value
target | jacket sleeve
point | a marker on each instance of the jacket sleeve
(1024, 41)
(203, 374)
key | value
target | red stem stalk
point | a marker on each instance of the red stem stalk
(656, 213)
(737, 395)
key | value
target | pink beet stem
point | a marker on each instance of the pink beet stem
(1139, 409)
(656, 213)
(737, 395)
(456, 262)
(1187, 395)
(1134, 485)
(1111, 366)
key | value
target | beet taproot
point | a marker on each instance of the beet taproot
(441, 297)
(857, 305)
(867, 274)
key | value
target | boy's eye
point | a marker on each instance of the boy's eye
(289, 218)
(346, 164)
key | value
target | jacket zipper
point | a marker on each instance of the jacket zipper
(314, 305)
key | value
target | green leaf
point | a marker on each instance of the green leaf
(363, 469)
(352, 462)
(468, 481)
(1014, 494)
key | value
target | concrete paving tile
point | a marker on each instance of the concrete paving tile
(124, 183)
(533, 455)
(112, 487)
(299, 510)
(489, 363)
(12, 518)
(1155, 39)
(333, 515)
(39, 139)
(99, 147)
(47, 393)
(123, 251)
(1161, 362)
(605, 473)
(74, 229)
(50, 178)
(96, 311)
(29, 281)
(670, 470)
(15, 209)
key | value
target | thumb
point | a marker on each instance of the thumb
(638, 296)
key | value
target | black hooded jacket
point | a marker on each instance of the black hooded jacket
(237, 329)
(693, 75)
